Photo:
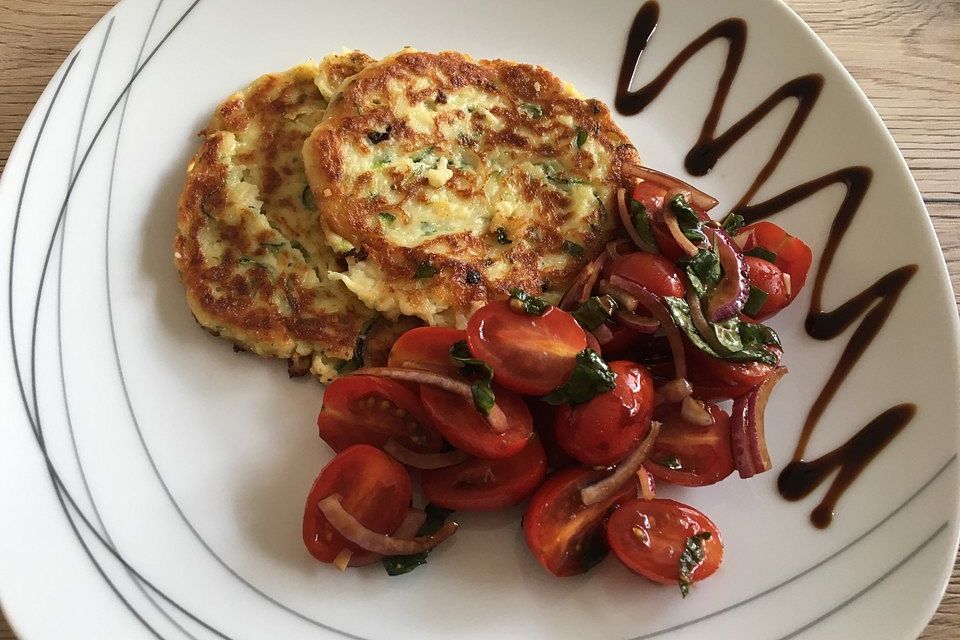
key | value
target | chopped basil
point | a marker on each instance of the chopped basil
(673, 462)
(303, 250)
(272, 247)
(743, 342)
(522, 301)
(703, 270)
(560, 180)
(483, 396)
(422, 155)
(382, 161)
(387, 217)
(732, 223)
(591, 377)
(693, 554)
(762, 253)
(502, 236)
(357, 360)
(376, 137)
(574, 249)
(428, 228)
(307, 198)
(534, 110)
(755, 301)
(399, 565)
(581, 137)
(684, 212)
(594, 312)
(425, 270)
(641, 222)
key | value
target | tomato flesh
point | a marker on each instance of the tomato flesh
(566, 537)
(605, 429)
(767, 277)
(648, 536)
(793, 255)
(529, 354)
(486, 485)
(362, 409)
(457, 420)
(427, 348)
(703, 453)
(654, 198)
(375, 489)
(655, 273)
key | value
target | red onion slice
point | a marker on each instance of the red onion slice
(656, 308)
(617, 248)
(694, 412)
(747, 428)
(670, 218)
(496, 417)
(640, 324)
(605, 488)
(582, 285)
(669, 183)
(648, 486)
(407, 529)
(728, 297)
(352, 529)
(700, 322)
(424, 460)
(603, 334)
(627, 222)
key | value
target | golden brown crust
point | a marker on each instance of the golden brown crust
(508, 132)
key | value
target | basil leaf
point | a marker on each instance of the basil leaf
(357, 360)
(399, 565)
(641, 222)
(591, 377)
(762, 253)
(595, 311)
(693, 554)
(758, 334)
(705, 266)
(581, 137)
(521, 301)
(732, 223)
(673, 462)
(306, 197)
(534, 110)
(753, 350)
(425, 270)
(686, 216)
(483, 396)
(754, 301)
(502, 236)
(574, 249)
(387, 217)
(728, 334)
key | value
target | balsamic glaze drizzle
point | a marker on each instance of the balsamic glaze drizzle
(873, 305)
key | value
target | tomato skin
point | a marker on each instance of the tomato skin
(767, 277)
(704, 452)
(667, 524)
(566, 537)
(715, 379)
(655, 273)
(427, 348)
(465, 428)
(487, 485)
(604, 430)
(654, 197)
(793, 255)
(360, 409)
(531, 355)
(375, 489)
(544, 424)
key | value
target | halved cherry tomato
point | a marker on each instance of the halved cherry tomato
(702, 452)
(544, 425)
(624, 343)
(767, 277)
(793, 255)
(566, 537)
(653, 197)
(605, 429)
(375, 489)
(487, 485)
(655, 273)
(427, 348)
(715, 379)
(365, 409)
(529, 354)
(465, 428)
(648, 536)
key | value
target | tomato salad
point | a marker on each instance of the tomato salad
(614, 389)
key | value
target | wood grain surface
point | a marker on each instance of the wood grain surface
(904, 53)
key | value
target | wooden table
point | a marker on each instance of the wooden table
(905, 55)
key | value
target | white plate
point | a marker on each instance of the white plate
(190, 463)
